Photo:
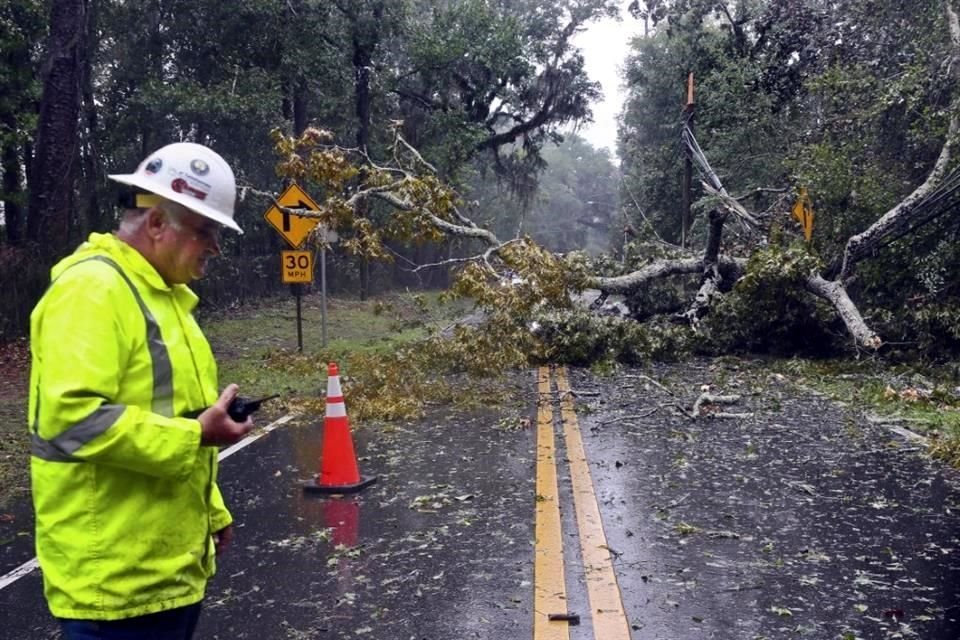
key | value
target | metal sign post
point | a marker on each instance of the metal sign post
(327, 236)
(323, 293)
(297, 268)
(295, 289)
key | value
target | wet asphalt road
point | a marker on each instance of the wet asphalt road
(800, 520)
(439, 547)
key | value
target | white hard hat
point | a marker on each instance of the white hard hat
(189, 174)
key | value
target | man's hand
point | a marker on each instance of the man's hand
(216, 425)
(223, 538)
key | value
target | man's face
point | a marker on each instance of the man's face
(189, 243)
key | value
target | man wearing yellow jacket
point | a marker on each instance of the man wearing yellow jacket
(128, 514)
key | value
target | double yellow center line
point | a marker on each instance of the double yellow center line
(608, 619)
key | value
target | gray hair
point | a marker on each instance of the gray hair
(174, 211)
(133, 219)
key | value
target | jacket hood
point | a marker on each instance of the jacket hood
(130, 260)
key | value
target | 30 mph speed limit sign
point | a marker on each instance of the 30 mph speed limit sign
(296, 266)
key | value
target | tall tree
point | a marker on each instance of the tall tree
(501, 78)
(368, 23)
(53, 184)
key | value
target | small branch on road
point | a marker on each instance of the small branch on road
(653, 382)
(577, 394)
(712, 399)
(631, 417)
(749, 587)
(677, 502)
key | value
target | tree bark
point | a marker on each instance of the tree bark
(365, 41)
(662, 269)
(835, 293)
(712, 278)
(91, 212)
(55, 166)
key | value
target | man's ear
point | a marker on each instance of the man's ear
(156, 222)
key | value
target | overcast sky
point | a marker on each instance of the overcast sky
(604, 46)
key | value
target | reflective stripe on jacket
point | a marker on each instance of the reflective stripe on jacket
(126, 499)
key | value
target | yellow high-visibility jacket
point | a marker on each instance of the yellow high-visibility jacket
(126, 499)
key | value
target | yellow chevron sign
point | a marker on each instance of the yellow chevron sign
(293, 228)
(803, 212)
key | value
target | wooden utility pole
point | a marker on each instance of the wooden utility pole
(687, 167)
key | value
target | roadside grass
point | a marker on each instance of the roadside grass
(14, 441)
(391, 364)
(257, 347)
(925, 400)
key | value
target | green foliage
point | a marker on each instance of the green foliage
(849, 101)
(911, 293)
(497, 77)
(769, 311)
(581, 338)
(22, 26)
(847, 104)
(650, 133)
(848, 193)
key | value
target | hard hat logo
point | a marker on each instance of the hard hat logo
(182, 186)
(174, 172)
(199, 167)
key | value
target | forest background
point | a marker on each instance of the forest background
(850, 101)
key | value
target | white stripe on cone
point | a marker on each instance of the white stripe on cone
(337, 408)
(333, 387)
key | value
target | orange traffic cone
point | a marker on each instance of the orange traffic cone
(338, 463)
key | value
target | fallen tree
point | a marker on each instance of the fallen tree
(422, 207)
(937, 195)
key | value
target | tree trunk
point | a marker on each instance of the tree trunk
(837, 296)
(92, 215)
(365, 41)
(55, 166)
(712, 278)
(661, 269)
(300, 96)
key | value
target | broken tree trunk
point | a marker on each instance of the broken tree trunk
(662, 269)
(712, 278)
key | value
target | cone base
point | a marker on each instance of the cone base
(312, 486)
